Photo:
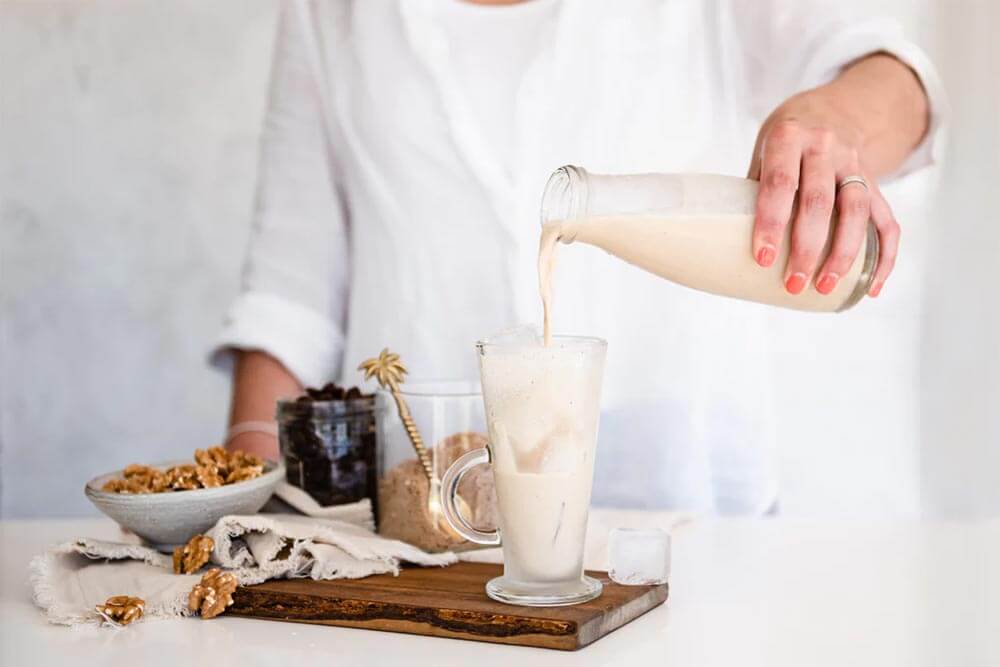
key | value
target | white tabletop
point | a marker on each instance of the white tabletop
(743, 592)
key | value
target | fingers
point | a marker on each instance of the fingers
(793, 159)
(888, 239)
(853, 212)
(781, 153)
(812, 220)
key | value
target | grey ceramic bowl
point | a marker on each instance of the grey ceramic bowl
(168, 519)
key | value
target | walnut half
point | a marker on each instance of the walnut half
(213, 456)
(190, 557)
(121, 609)
(213, 594)
(244, 473)
(208, 476)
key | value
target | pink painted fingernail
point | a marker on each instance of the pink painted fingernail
(795, 283)
(765, 256)
(875, 290)
(827, 283)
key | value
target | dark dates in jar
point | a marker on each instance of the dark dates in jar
(328, 444)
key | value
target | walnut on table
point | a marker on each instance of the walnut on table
(190, 557)
(213, 594)
(121, 609)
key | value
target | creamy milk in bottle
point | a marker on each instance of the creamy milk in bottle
(692, 229)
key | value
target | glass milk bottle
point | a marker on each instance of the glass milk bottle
(692, 229)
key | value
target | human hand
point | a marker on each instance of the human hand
(807, 146)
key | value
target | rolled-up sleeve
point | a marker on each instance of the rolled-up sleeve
(794, 46)
(295, 278)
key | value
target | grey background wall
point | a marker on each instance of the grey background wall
(128, 139)
(128, 136)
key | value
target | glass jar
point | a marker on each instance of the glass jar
(692, 229)
(449, 416)
(329, 448)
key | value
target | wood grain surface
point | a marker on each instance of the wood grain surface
(446, 602)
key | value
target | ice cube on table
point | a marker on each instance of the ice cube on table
(638, 557)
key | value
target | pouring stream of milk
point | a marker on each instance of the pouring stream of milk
(546, 265)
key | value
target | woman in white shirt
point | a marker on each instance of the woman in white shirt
(405, 150)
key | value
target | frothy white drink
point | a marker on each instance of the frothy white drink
(542, 407)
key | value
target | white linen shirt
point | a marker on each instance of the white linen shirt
(387, 217)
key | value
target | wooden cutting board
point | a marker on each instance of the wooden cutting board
(446, 602)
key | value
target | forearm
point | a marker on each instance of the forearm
(887, 106)
(259, 381)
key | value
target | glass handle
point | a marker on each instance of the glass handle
(449, 485)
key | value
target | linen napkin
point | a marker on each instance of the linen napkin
(71, 578)
(359, 513)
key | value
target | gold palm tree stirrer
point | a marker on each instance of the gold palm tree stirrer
(389, 371)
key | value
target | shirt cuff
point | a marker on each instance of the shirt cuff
(307, 343)
(886, 35)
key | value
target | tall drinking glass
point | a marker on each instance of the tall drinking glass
(542, 408)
